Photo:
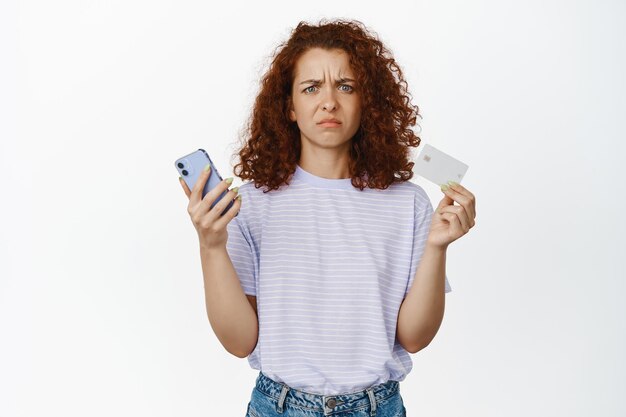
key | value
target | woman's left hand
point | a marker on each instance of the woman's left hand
(450, 222)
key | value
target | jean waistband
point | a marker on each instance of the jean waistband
(326, 403)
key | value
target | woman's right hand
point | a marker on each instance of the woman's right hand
(211, 228)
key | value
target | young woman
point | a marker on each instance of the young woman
(316, 280)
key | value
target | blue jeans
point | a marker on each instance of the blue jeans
(275, 399)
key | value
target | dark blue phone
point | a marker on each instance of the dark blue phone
(190, 167)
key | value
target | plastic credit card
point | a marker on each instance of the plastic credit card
(438, 167)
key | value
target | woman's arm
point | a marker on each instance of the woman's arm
(421, 312)
(232, 317)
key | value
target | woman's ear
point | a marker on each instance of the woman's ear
(292, 113)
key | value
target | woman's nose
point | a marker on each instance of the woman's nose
(328, 101)
(329, 104)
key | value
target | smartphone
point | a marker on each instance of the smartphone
(190, 167)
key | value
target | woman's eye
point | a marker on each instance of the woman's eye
(346, 85)
(306, 90)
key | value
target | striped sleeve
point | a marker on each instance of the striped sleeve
(421, 227)
(242, 254)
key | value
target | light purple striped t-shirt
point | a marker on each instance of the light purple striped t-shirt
(330, 266)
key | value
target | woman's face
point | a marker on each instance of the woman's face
(324, 87)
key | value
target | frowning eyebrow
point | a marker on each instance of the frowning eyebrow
(339, 80)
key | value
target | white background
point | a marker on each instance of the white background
(101, 294)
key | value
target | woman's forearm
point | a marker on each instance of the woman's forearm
(421, 312)
(232, 318)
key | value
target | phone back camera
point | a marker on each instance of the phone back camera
(184, 171)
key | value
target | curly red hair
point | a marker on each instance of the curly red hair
(380, 147)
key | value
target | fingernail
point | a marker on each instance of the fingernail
(236, 189)
(444, 187)
(207, 168)
(239, 197)
(453, 183)
(180, 178)
(229, 180)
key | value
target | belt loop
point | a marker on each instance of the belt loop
(281, 399)
(370, 392)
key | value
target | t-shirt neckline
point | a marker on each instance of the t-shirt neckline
(335, 183)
